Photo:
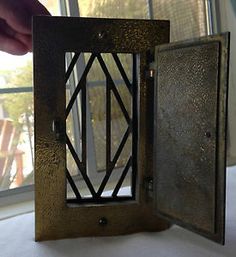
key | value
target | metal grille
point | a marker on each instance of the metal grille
(96, 193)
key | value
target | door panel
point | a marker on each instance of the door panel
(190, 113)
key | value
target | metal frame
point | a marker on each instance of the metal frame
(54, 218)
(212, 16)
(150, 9)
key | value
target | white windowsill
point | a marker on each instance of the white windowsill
(16, 209)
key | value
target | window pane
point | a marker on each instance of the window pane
(187, 18)
(16, 140)
(114, 8)
(16, 116)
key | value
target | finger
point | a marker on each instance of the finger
(16, 15)
(36, 8)
(25, 39)
(6, 30)
(12, 46)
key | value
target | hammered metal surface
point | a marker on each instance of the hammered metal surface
(190, 113)
(53, 36)
(187, 105)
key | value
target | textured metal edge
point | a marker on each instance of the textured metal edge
(138, 34)
(52, 37)
(223, 39)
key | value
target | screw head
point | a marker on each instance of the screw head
(103, 221)
(101, 35)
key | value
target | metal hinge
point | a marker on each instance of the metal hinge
(150, 72)
(57, 129)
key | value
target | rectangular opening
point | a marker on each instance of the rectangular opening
(101, 126)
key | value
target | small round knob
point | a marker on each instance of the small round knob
(103, 221)
(101, 35)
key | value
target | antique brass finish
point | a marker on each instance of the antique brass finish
(53, 36)
(191, 135)
(178, 128)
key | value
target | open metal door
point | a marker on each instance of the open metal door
(190, 134)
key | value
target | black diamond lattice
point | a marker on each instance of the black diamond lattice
(96, 196)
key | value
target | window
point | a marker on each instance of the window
(188, 19)
(16, 120)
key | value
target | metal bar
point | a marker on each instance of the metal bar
(66, 10)
(84, 127)
(208, 15)
(113, 163)
(119, 100)
(75, 109)
(114, 89)
(63, 9)
(214, 7)
(134, 124)
(108, 123)
(118, 82)
(99, 200)
(122, 72)
(121, 146)
(74, 96)
(71, 66)
(73, 185)
(80, 166)
(150, 9)
(73, 152)
(91, 153)
(13, 90)
(122, 178)
(73, 8)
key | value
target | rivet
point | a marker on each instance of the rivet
(101, 35)
(103, 221)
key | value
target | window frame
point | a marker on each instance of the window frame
(224, 21)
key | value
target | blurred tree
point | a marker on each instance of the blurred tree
(114, 8)
(18, 104)
(19, 108)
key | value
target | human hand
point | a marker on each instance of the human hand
(15, 24)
